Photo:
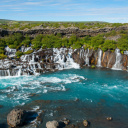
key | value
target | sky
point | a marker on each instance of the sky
(65, 10)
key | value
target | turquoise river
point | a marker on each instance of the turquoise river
(91, 94)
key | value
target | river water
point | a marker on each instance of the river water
(91, 94)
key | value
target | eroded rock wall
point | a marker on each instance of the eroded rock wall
(65, 31)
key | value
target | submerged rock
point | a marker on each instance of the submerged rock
(109, 118)
(16, 117)
(52, 124)
(1, 106)
(85, 123)
(65, 121)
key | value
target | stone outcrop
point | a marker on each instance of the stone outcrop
(52, 124)
(85, 123)
(64, 31)
(16, 117)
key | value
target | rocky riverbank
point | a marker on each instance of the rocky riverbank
(62, 114)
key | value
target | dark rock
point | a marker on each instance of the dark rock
(78, 56)
(70, 126)
(1, 106)
(125, 61)
(65, 32)
(65, 121)
(10, 95)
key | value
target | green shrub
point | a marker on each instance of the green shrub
(2, 51)
(28, 52)
(109, 44)
(19, 54)
(93, 66)
(2, 56)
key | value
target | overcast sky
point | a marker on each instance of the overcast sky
(65, 10)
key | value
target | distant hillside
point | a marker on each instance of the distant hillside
(4, 21)
(26, 25)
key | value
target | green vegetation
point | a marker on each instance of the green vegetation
(2, 56)
(103, 41)
(24, 25)
(28, 52)
(49, 41)
(93, 66)
(19, 54)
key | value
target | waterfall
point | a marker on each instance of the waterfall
(82, 52)
(14, 72)
(24, 58)
(4, 73)
(99, 58)
(63, 57)
(117, 65)
(8, 72)
(19, 72)
(87, 57)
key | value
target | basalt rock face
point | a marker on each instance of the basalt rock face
(53, 59)
(65, 31)
(108, 59)
(125, 62)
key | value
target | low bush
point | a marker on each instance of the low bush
(19, 54)
(2, 56)
(28, 52)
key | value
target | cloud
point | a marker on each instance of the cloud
(32, 3)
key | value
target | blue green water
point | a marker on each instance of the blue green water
(93, 87)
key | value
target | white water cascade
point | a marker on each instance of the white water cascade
(87, 57)
(32, 65)
(63, 57)
(117, 65)
(99, 58)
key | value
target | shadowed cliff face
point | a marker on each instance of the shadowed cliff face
(65, 32)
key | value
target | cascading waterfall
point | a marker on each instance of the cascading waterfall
(117, 65)
(8, 72)
(82, 53)
(99, 58)
(87, 57)
(63, 57)
(50, 59)
(28, 65)
(19, 72)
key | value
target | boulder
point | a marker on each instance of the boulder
(52, 124)
(16, 117)
(109, 118)
(66, 121)
(85, 123)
